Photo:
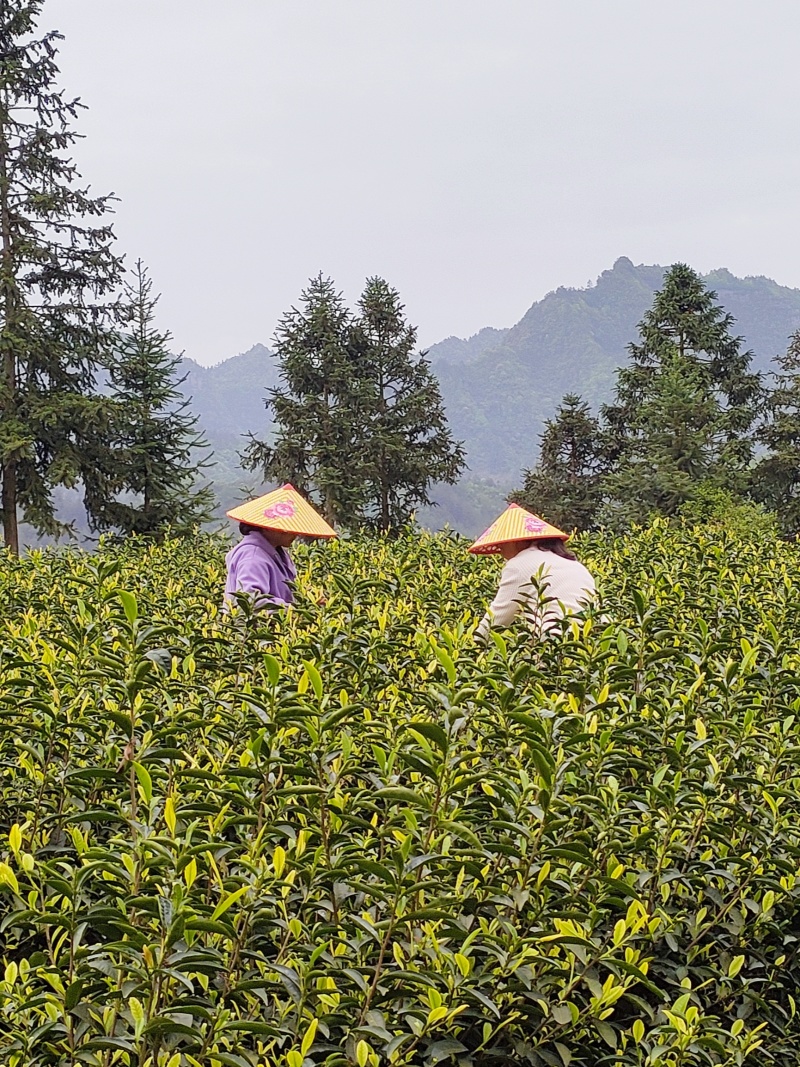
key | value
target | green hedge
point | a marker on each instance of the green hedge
(346, 836)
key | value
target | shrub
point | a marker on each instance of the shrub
(344, 836)
(717, 509)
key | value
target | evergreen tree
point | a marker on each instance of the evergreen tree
(56, 271)
(776, 481)
(155, 436)
(679, 430)
(319, 409)
(407, 444)
(564, 486)
(684, 333)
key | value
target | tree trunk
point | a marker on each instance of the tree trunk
(329, 494)
(382, 472)
(386, 519)
(10, 530)
(147, 473)
(9, 381)
(329, 506)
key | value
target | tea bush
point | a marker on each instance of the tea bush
(347, 836)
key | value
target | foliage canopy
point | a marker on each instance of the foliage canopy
(407, 443)
(154, 468)
(342, 836)
(684, 406)
(57, 271)
(360, 424)
(776, 481)
(565, 486)
(316, 408)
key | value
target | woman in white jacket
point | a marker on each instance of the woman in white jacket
(541, 578)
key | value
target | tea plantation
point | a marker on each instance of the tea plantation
(347, 836)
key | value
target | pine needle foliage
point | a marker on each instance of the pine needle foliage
(689, 380)
(57, 271)
(565, 485)
(679, 429)
(408, 445)
(776, 480)
(317, 445)
(361, 427)
(156, 471)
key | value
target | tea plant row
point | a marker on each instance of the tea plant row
(348, 836)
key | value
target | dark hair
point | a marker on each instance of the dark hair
(245, 528)
(556, 546)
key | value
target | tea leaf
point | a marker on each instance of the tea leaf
(145, 781)
(7, 877)
(228, 901)
(169, 815)
(129, 604)
(308, 1037)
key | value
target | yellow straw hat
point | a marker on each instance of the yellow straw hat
(515, 524)
(283, 509)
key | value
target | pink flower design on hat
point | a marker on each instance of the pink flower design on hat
(534, 525)
(284, 509)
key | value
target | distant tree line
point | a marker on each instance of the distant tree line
(88, 392)
(692, 432)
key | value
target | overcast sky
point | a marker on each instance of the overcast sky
(475, 153)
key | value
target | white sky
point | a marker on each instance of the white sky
(475, 153)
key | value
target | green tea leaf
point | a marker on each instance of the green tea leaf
(129, 604)
(228, 901)
(431, 731)
(145, 781)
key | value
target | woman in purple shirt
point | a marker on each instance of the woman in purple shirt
(260, 565)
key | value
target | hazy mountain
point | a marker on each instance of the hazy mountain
(229, 397)
(459, 349)
(572, 341)
(500, 385)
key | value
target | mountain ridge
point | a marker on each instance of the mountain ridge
(501, 384)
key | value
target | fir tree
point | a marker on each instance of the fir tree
(679, 430)
(56, 271)
(319, 408)
(685, 332)
(564, 486)
(776, 481)
(156, 475)
(407, 444)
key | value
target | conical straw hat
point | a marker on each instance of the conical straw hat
(515, 524)
(283, 509)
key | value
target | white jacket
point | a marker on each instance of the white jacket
(567, 587)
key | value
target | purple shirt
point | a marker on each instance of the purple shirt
(264, 572)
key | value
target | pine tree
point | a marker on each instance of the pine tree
(319, 407)
(679, 430)
(407, 444)
(56, 272)
(685, 332)
(564, 486)
(155, 436)
(776, 480)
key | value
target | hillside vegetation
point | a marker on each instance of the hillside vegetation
(573, 341)
(343, 836)
(500, 385)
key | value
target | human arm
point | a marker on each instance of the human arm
(259, 578)
(513, 594)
